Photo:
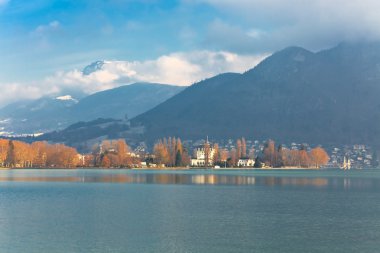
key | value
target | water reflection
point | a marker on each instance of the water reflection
(201, 178)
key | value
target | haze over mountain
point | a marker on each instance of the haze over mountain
(36, 116)
(54, 113)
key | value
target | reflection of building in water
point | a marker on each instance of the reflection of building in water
(204, 155)
(294, 181)
(347, 183)
(198, 179)
(221, 179)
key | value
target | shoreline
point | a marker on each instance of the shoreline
(165, 168)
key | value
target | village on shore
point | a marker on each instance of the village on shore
(173, 153)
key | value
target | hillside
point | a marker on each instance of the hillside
(130, 100)
(35, 116)
(83, 135)
(54, 113)
(294, 95)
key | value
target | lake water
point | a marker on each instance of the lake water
(189, 211)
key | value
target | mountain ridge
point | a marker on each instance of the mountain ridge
(293, 95)
(329, 97)
(49, 113)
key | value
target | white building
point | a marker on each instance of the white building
(246, 162)
(203, 153)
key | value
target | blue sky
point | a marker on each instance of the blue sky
(90, 30)
(45, 43)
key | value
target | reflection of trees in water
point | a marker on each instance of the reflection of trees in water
(272, 181)
(204, 179)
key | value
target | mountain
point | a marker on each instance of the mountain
(93, 67)
(83, 135)
(53, 113)
(130, 100)
(35, 116)
(328, 97)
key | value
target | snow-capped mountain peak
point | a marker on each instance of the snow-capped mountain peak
(93, 67)
(65, 98)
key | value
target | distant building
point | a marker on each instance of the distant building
(81, 158)
(246, 162)
(204, 155)
(133, 154)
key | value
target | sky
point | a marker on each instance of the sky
(45, 44)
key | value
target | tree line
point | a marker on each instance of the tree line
(167, 151)
(40, 154)
(270, 156)
(283, 157)
(37, 154)
(230, 158)
(112, 153)
(170, 152)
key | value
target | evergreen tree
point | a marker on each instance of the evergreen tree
(178, 159)
(258, 163)
(375, 162)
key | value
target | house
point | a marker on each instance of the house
(246, 162)
(204, 156)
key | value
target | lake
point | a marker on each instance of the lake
(189, 211)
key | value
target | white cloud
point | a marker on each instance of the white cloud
(182, 68)
(11, 92)
(176, 68)
(317, 11)
(43, 29)
(313, 24)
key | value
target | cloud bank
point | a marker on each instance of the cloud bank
(274, 24)
(209, 36)
(181, 68)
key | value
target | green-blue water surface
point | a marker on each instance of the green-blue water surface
(189, 211)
